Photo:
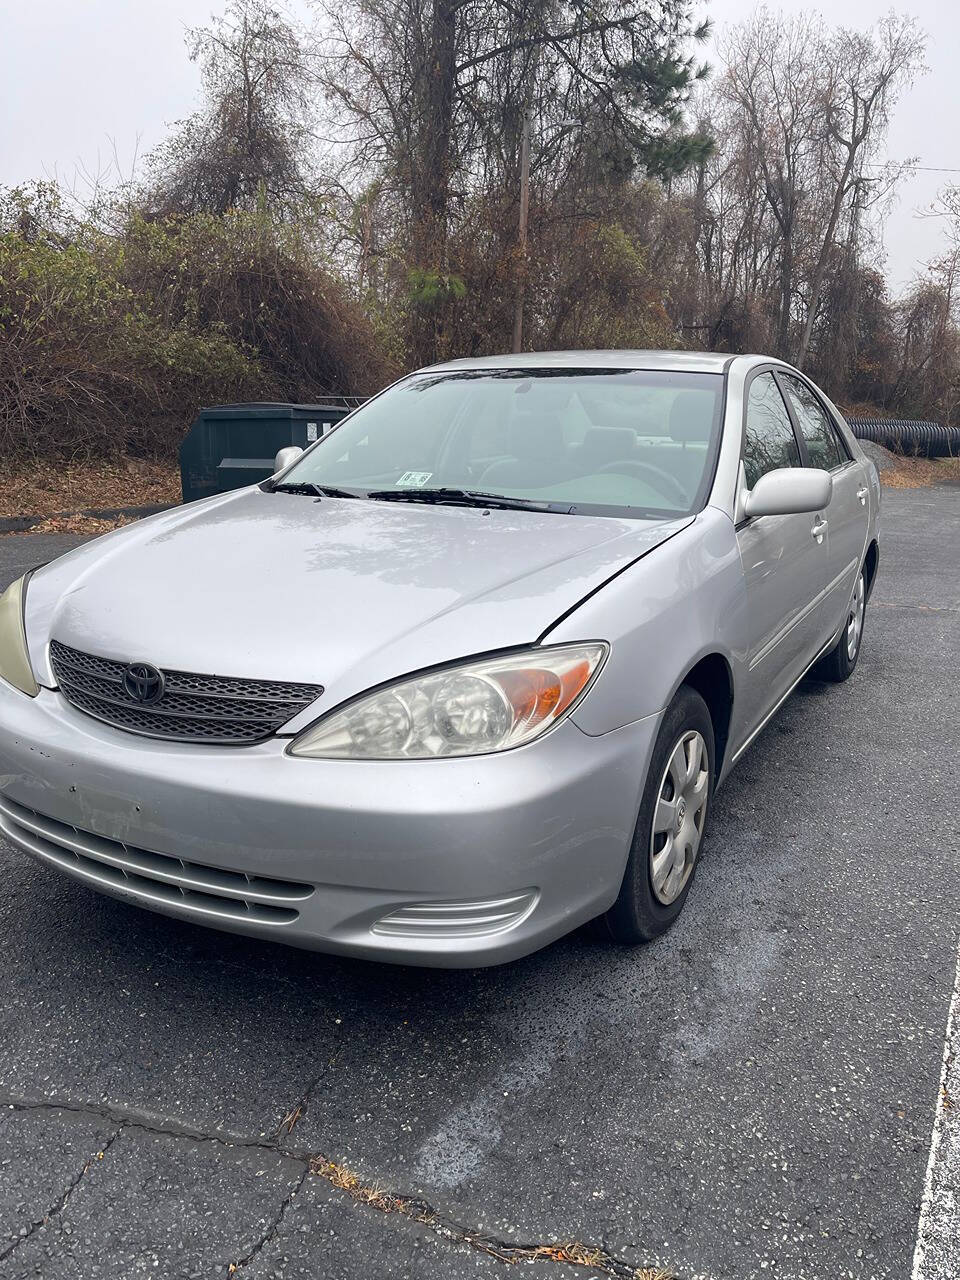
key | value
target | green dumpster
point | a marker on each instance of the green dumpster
(232, 445)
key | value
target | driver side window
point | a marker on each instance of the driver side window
(769, 441)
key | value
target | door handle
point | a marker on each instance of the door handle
(819, 529)
(862, 495)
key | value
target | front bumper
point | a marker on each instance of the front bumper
(317, 853)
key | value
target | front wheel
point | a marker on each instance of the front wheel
(839, 663)
(671, 823)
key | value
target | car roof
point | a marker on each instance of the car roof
(670, 361)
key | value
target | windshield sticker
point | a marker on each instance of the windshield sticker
(414, 479)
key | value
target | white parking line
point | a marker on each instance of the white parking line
(937, 1253)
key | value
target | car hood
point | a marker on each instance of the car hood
(342, 593)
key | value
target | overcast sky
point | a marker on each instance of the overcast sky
(80, 78)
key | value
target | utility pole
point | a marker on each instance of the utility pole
(522, 230)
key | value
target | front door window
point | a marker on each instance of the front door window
(769, 440)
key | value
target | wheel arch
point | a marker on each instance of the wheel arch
(871, 562)
(712, 677)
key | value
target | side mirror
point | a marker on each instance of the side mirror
(789, 491)
(286, 457)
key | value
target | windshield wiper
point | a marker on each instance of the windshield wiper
(307, 486)
(459, 498)
(331, 491)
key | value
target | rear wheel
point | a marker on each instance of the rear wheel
(670, 825)
(839, 663)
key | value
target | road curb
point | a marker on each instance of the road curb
(23, 524)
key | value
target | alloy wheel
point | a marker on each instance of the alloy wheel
(679, 817)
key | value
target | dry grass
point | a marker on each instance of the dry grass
(919, 473)
(367, 1193)
(571, 1252)
(52, 488)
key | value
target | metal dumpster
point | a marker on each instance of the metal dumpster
(232, 445)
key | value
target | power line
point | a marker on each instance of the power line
(925, 168)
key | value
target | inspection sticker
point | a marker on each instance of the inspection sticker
(414, 479)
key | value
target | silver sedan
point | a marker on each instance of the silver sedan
(462, 676)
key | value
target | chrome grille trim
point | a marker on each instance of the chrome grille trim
(216, 710)
(458, 919)
(157, 878)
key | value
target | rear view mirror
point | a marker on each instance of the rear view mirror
(789, 491)
(285, 457)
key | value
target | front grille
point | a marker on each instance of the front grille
(155, 878)
(220, 710)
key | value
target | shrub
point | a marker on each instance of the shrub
(111, 340)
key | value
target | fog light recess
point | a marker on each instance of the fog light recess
(458, 919)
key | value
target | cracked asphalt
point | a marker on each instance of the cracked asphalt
(753, 1095)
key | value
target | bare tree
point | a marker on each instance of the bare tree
(778, 82)
(866, 70)
(250, 144)
(800, 116)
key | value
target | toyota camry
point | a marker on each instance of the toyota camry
(460, 677)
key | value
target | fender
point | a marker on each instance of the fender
(682, 601)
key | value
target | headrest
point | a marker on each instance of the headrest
(607, 444)
(691, 415)
(536, 433)
(605, 408)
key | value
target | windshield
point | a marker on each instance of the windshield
(635, 442)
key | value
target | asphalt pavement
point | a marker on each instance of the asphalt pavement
(754, 1095)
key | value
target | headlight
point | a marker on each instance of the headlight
(14, 661)
(465, 710)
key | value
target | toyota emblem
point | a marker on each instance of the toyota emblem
(143, 683)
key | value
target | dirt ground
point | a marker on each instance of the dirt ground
(918, 473)
(57, 491)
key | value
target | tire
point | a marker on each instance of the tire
(840, 663)
(641, 911)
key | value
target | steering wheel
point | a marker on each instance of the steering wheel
(642, 469)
